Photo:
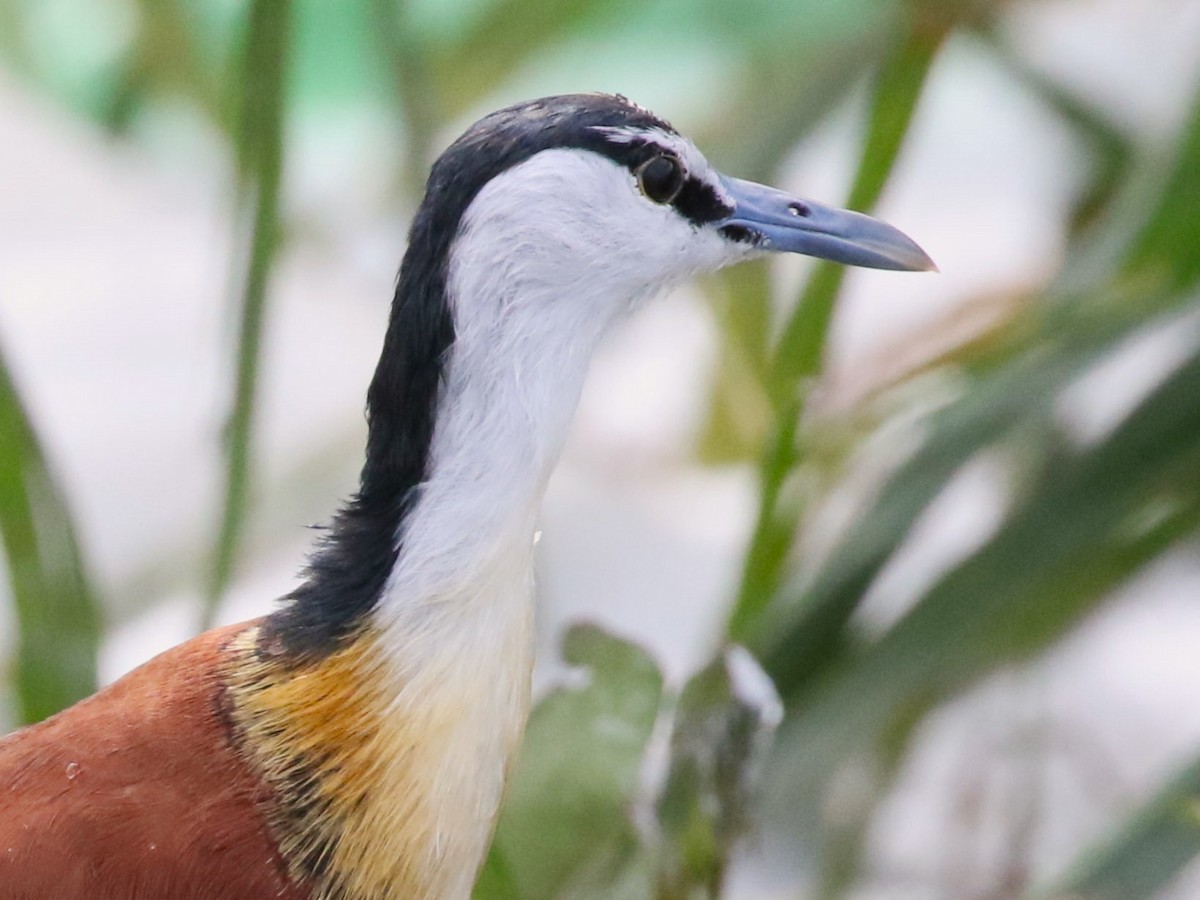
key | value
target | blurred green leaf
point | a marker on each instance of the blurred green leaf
(782, 97)
(898, 87)
(1016, 387)
(1082, 523)
(1087, 519)
(1147, 854)
(58, 619)
(799, 635)
(1166, 246)
(739, 411)
(260, 167)
(723, 724)
(11, 46)
(164, 56)
(1111, 148)
(505, 36)
(416, 94)
(565, 829)
(800, 351)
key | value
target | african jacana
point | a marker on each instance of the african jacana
(354, 743)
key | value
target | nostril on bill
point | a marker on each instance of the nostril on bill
(801, 210)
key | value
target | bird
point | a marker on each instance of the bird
(354, 742)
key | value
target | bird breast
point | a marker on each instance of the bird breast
(389, 761)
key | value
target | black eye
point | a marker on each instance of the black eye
(660, 178)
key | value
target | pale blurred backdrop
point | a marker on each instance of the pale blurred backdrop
(1044, 140)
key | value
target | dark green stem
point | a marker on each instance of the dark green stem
(800, 352)
(260, 166)
(58, 619)
(415, 88)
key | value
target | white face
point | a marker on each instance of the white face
(573, 226)
(547, 255)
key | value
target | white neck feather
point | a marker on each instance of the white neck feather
(539, 270)
(537, 273)
(511, 383)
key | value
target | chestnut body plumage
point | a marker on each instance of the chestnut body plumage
(138, 790)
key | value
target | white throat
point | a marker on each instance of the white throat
(537, 273)
(455, 618)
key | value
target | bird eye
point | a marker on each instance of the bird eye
(660, 178)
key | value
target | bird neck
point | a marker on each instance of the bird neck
(509, 391)
(391, 692)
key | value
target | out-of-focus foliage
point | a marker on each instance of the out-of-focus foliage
(1140, 859)
(1084, 511)
(578, 771)
(59, 622)
(723, 724)
(259, 151)
(567, 831)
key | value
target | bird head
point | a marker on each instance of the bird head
(539, 226)
(592, 197)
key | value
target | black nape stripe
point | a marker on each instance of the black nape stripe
(349, 568)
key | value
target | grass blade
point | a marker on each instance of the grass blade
(899, 85)
(416, 93)
(1144, 856)
(799, 636)
(57, 614)
(800, 351)
(1112, 150)
(260, 164)
(1166, 246)
(1088, 521)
